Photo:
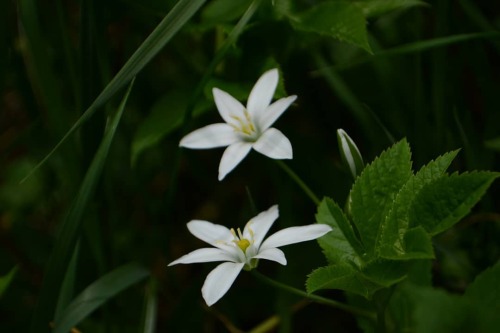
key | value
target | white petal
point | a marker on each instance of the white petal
(219, 281)
(274, 111)
(260, 225)
(262, 93)
(211, 136)
(204, 255)
(274, 144)
(232, 157)
(273, 254)
(209, 232)
(295, 235)
(228, 106)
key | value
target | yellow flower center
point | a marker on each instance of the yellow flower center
(243, 244)
(240, 241)
(244, 126)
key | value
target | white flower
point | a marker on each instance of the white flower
(350, 153)
(241, 250)
(245, 128)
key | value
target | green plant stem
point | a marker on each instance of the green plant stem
(318, 299)
(299, 182)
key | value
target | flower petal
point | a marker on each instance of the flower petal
(232, 157)
(274, 111)
(211, 136)
(209, 232)
(260, 225)
(273, 254)
(274, 144)
(228, 106)
(295, 235)
(262, 93)
(219, 281)
(204, 255)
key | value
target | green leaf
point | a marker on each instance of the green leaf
(372, 8)
(391, 242)
(485, 289)
(339, 245)
(375, 276)
(442, 203)
(166, 116)
(375, 190)
(418, 245)
(7, 279)
(67, 237)
(98, 293)
(493, 144)
(220, 11)
(340, 19)
(166, 29)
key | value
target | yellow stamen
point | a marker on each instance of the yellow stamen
(243, 244)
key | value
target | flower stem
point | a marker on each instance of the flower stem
(318, 299)
(299, 182)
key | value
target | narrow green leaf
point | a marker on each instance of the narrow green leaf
(340, 19)
(65, 243)
(98, 293)
(339, 245)
(372, 8)
(442, 203)
(7, 279)
(375, 190)
(168, 27)
(68, 286)
(391, 243)
(150, 307)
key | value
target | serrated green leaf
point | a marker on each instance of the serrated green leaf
(372, 8)
(99, 292)
(339, 245)
(340, 19)
(375, 190)
(442, 203)
(375, 276)
(418, 245)
(390, 243)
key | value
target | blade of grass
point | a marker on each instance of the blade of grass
(150, 307)
(65, 243)
(168, 27)
(98, 293)
(68, 285)
(7, 279)
(410, 48)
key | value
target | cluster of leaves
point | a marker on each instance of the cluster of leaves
(391, 216)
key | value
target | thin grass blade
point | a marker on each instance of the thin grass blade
(65, 243)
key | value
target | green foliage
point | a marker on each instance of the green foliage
(395, 213)
(373, 8)
(339, 19)
(6, 280)
(98, 293)
(428, 309)
(442, 203)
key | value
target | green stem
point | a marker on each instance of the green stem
(318, 299)
(299, 182)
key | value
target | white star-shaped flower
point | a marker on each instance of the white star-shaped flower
(245, 127)
(242, 250)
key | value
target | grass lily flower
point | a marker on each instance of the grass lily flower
(245, 127)
(242, 250)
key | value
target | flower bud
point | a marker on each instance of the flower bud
(350, 153)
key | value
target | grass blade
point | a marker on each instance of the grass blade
(65, 243)
(167, 28)
(98, 293)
